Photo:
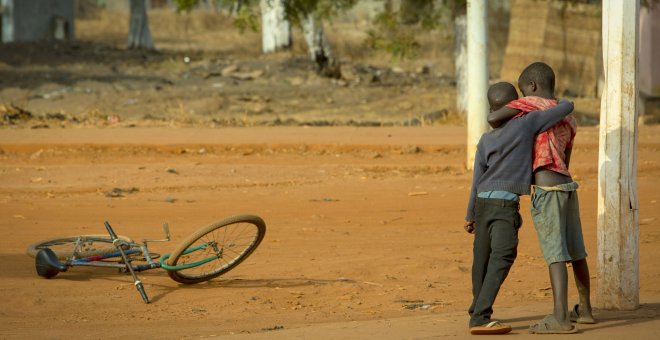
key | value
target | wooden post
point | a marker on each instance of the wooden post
(477, 50)
(618, 231)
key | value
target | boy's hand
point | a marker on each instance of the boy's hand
(469, 227)
(563, 100)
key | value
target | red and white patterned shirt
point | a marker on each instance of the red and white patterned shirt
(550, 146)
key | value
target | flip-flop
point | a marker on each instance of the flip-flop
(576, 317)
(491, 328)
(550, 325)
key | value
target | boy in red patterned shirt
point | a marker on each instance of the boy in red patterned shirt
(555, 208)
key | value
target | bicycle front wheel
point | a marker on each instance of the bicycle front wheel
(216, 249)
(89, 245)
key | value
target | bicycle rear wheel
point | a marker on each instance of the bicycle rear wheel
(90, 245)
(216, 249)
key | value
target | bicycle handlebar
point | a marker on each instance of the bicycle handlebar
(127, 262)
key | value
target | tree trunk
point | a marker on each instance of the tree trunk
(139, 35)
(318, 46)
(276, 27)
(235, 7)
(460, 63)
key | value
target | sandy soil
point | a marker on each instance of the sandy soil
(364, 224)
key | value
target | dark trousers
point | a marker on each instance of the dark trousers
(495, 248)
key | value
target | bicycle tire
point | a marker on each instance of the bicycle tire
(231, 241)
(63, 246)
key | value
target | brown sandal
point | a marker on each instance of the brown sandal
(577, 318)
(550, 325)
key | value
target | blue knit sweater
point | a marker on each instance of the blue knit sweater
(504, 155)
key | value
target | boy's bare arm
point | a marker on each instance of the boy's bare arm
(501, 115)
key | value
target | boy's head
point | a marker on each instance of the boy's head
(500, 94)
(537, 79)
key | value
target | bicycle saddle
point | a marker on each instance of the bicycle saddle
(47, 263)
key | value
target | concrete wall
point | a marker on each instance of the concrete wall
(649, 52)
(6, 22)
(34, 20)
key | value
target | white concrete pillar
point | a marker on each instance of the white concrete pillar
(477, 69)
(618, 230)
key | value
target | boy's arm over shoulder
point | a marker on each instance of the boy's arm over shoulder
(501, 115)
(543, 120)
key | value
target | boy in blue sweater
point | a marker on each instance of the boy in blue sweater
(502, 172)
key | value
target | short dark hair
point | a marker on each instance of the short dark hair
(540, 73)
(499, 94)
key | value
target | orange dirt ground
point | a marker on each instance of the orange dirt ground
(364, 224)
(365, 235)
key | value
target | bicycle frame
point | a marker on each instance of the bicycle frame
(96, 261)
(193, 264)
(125, 248)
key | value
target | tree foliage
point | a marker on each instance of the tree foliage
(389, 36)
(322, 9)
(395, 29)
(247, 18)
(185, 5)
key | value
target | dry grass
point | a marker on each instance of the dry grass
(213, 32)
(198, 30)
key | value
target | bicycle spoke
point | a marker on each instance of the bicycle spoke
(223, 247)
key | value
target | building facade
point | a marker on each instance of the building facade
(37, 20)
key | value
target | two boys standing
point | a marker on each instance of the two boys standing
(531, 144)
